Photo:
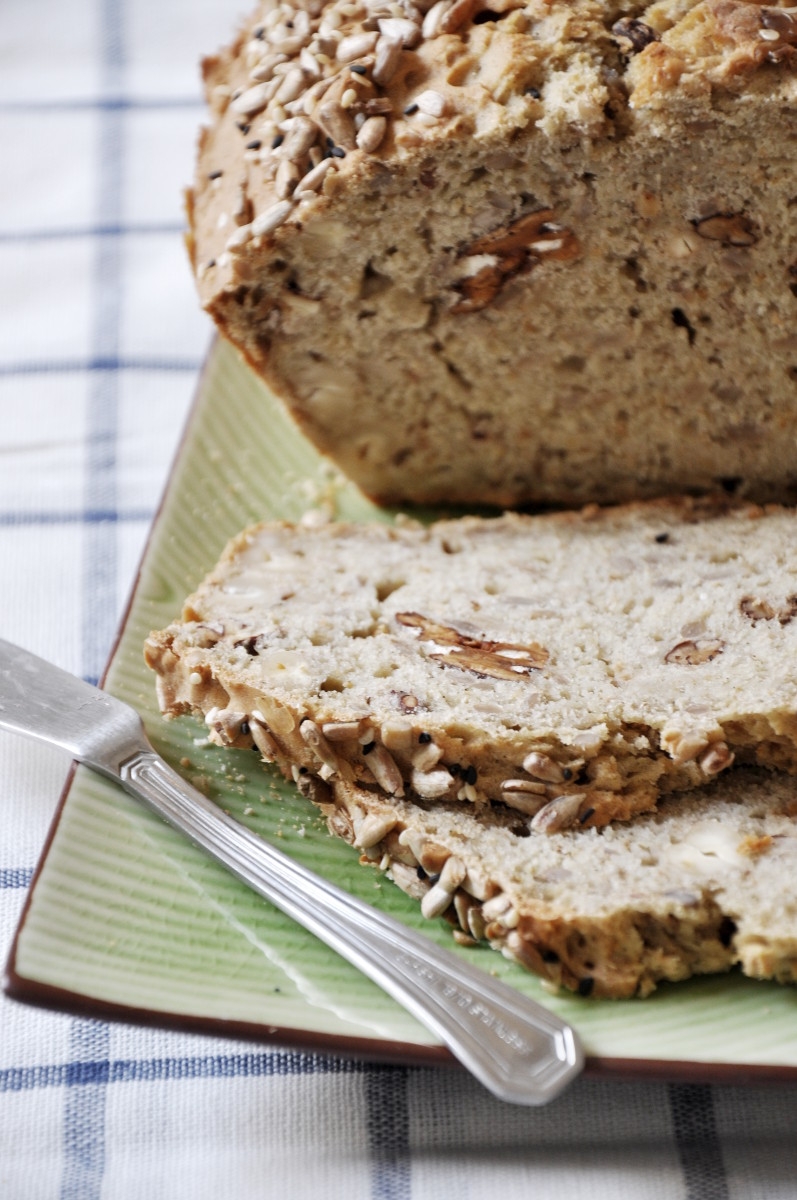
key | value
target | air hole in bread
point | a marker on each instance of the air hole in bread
(387, 587)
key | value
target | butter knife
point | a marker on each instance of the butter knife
(517, 1049)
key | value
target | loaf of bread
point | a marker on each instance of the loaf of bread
(700, 886)
(513, 251)
(568, 667)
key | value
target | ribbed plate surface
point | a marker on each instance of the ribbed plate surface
(127, 918)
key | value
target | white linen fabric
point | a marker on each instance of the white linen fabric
(101, 340)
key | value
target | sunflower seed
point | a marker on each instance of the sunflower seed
(407, 32)
(452, 874)
(431, 784)
(524, 802)
(372, 829)
(356, 45)
(291, 87)
(287, 178)
(431, 103)
(388, 56)
(254, 99)
(312, 736)
(236, 242)
(301, 136)
(272, 218)
(263, 740)
(384, 770)
(435, 902)
(371, 134)
(716, 758)
(432, 22)
(558, 814)
(496, 907)
(341, 731)
(542, 766)
(264, 70)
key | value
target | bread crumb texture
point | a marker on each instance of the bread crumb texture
(508, 252)
(570, 668)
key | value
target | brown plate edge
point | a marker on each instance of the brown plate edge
(373, 1050)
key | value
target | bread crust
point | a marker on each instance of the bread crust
(529, 289)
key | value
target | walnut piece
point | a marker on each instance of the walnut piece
(633, 35)
(732, 229)
(498, 660)
(691, 653)
(757, 609)
(516, 248)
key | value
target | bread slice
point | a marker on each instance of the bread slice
(568, 667)
(700, 886)
(511, 250)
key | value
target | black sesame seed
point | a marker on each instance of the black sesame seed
(419, 871)
(535, 93)
(586, 985)
(244, 726)
(338, 152)
(244, 127)
(255, 145)
(567, 773)
(215, 174)
(410, 109)
(368, 747)
(259, 33)
(278, 140)
(585, 816)
(661, 538)
(303, 771)
(358, 69)
(211, 262)
(330, 142)
(471, 775)
(549, 956)
(424, 738)
(454, 769)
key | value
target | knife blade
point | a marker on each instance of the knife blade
(516, 1048)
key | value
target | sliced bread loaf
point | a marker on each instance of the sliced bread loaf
(570, 667)
(699, 886)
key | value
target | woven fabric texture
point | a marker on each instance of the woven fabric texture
(101, 341)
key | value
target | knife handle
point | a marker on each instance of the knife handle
(519, 1050)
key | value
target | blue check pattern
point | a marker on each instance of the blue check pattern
(101, 340)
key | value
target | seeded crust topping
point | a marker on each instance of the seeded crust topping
(568, 669)
(311, 89)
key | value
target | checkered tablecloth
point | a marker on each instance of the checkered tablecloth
(101, 339)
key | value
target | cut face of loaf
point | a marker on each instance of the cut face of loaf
(569, 668)
(509, 252)
(702, 885)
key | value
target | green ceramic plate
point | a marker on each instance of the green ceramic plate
(126, 919)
